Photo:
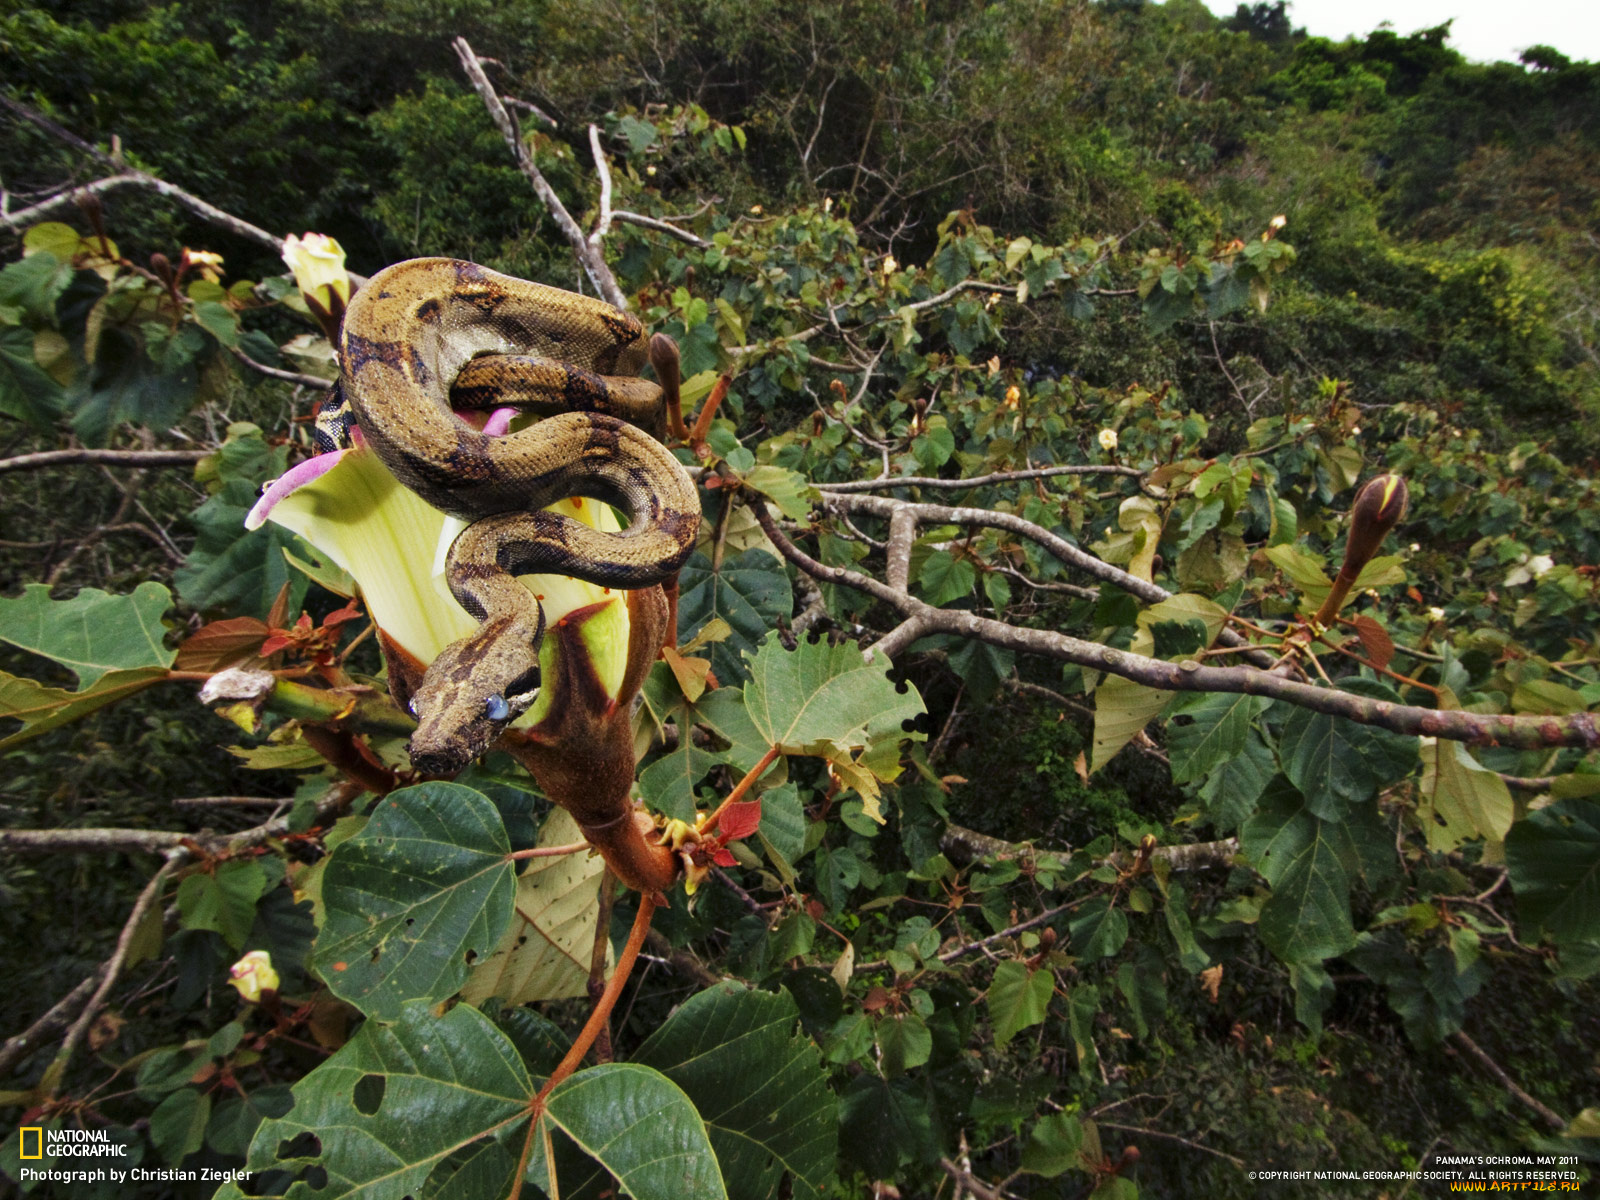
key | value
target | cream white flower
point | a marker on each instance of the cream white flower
(1540, 565)
(1436, 613)
(1108, 440)
(318, 265)
(254, 974)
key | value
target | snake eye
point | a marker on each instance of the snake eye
(521, 689)
(497, 708)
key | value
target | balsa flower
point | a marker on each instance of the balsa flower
(318, 265)
(1108, 440)
(253, 975)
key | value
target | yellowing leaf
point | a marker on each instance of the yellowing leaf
(1459, 798)
(1122, 709)
(544, 953)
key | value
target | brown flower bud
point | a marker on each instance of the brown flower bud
(1379, 506)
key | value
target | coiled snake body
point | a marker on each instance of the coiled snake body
(427, 336)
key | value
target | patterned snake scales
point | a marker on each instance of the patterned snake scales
(425, 337)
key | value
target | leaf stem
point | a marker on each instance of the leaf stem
(602, 1010)
(742, 787)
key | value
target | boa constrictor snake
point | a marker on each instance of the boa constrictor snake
(426, 337)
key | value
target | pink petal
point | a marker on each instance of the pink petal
(296, 476)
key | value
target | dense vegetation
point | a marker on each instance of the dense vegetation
(938, 238)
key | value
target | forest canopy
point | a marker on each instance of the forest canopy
(1130, 716)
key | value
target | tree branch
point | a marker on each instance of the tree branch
(907, 481)
(589, 256)
(295, 377)
(1531, 732)
(116, 458)
(1546, 1113)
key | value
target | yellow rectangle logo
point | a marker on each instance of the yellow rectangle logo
(38, 1141)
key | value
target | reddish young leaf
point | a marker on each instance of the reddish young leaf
(221, 644)
(1375, 639)
(739, 820)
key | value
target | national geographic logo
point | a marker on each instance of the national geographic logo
(34, 1140)
(38, 1141)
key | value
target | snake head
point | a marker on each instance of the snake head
(473, 690)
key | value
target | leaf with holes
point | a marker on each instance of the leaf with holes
(1122, 709)
(639, 1126)
(822, 701)
(1458, 799)
(760, 1085)
(545, 951)
(413, 900)
(92, 634)
(749, 591)
(1206, 729)
(392, 1105)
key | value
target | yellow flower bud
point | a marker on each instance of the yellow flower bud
(318, 265)
(1108, 440)
(253, 974)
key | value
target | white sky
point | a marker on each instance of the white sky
(1484, 30)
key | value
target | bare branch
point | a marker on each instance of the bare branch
(71, 841)
(902, 532)
(660, 226)
(295, 377)
(589, 256)
(116, 458)
(1546, 1113)
(1532, 732)
(1169, 1137)
(602, 168)
(955, 485)
(113, 968)
(50, 1024)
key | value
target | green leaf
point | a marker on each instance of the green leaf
(1207, 729)
(178, 1124)
(224, 900)
(35, 282)
(26, 391)
(639, 1125)
(1554, 860)
(220, 321)
(1336, 763)
(1190, 955)
(1460, 799)
(547, 946)
(668, 784)
(885, 1124)
(760, 1085)
(1018, 997)
(1430, 996)
(904, 1043)
(935, 447)
(783, 823)
(1231, 790)
(1099, 930)
(152, 384)
(1310, 863)
(1053, 1145)
(413, 900)
(1122, 709)
(750, 592)
(819, 700)
(785, 488)
(438, 1083)
(41, 708)
(92, 634)
(945, 578)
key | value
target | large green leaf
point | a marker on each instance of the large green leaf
(639, 1125)
(92, 634)
(413, 900)
(760, 1085)
(750, 592)
(1459, 798)
(820, 700)
(1122, 709)
(1207, 729)
(545, 951)
(392, 1104)
(1336, 763)
(885, 1123)
(41, 708)
(1231, 790)
(1310, 863)
(1019, 996)
(1430, 996)
(1554, 860)
(151, 381)
(667, 785)
(26, 392)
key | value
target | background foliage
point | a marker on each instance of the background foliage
(945, 239)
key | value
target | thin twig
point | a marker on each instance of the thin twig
(295, 377)
(1169, 1137)
(923, 481)
(1546, 1113)
(589, 256)
(118, 458)
(113, 969)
